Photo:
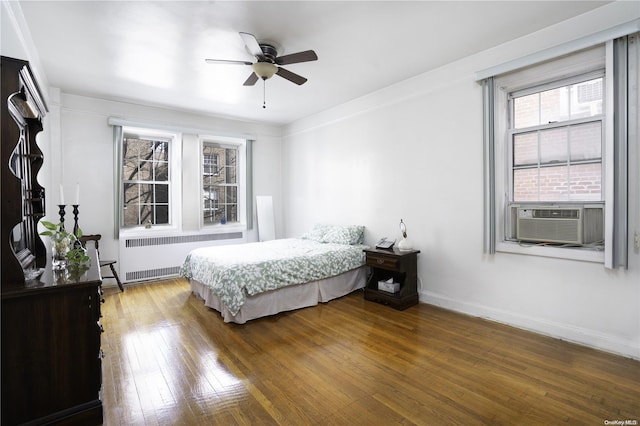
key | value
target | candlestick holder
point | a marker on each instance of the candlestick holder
(75, 218)
(61, 212)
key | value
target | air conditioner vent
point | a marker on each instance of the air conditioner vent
(556, 213)
(565, 225)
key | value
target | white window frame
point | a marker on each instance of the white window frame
(591, 61)
(175, 180)
(241, 145)
(512, 132)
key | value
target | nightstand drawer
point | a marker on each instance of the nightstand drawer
(381, 261)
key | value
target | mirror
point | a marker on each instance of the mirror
(266, 222)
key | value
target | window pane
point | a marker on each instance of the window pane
(586, 182)
(161, 151)
(162, 194)
(232, 213)
(217, 178)
(210, 164)
(146, 171)
(217, 216)
(130, 216)
(526, 111)
(230, 173)
(131, 148)
(586, 98)
(208, 193)
(554, 105)
(230, 165)
(208, 216)
(146, 194)
(161, 171)
(231, 195)
(554, 146)
(586, 141)
(554, 182)
(146, 150)
(162, 215)
(146, 214)
(525, 149)
(130, 193)
(129, 169)
(525, 185)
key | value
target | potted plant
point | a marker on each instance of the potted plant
(66, 247)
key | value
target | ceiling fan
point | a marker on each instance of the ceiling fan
(268, 62)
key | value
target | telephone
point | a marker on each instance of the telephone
(384, 243)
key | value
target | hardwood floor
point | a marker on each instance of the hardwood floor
(172, 361)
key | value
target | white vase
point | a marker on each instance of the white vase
(405, 245)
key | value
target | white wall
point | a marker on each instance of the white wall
(414, 151)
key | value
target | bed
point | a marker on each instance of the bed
(248, 281)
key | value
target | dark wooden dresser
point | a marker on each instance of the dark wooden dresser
(51, 357)
(50, 325)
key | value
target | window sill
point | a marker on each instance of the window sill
(585, 255)
(227, 227)
(165, 231)
(142, 231)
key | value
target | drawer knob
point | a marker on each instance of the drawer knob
(380, 261)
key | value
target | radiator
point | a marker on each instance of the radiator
(146, 258)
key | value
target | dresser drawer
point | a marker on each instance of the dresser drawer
(382, 261)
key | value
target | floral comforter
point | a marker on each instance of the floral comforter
(237, 271)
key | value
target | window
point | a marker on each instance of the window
(145, 179)
(557, 131)
(221, 183)
(171, 179)
(556, 137)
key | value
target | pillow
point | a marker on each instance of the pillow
(347, 234)
(316, 233)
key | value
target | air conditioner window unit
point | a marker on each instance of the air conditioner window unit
(566, 225)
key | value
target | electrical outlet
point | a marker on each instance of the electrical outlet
(636, 240)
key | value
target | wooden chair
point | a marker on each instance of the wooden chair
(95, 238)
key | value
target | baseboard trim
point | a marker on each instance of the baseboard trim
(578, 335)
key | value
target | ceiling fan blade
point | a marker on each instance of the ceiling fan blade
(251, 80)
(227, 61)
(293, 77)
(294, 58)
(252, 44)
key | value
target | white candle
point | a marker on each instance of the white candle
(77, 194)
(61, 195)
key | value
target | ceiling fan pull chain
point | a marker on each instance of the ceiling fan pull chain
(264, 93)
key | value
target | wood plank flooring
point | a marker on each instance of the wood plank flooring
(172, 361)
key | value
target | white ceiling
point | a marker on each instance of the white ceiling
(152, 52)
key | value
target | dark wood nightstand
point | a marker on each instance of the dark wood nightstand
(396, 264)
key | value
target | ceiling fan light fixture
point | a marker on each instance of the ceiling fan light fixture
(264, 70)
